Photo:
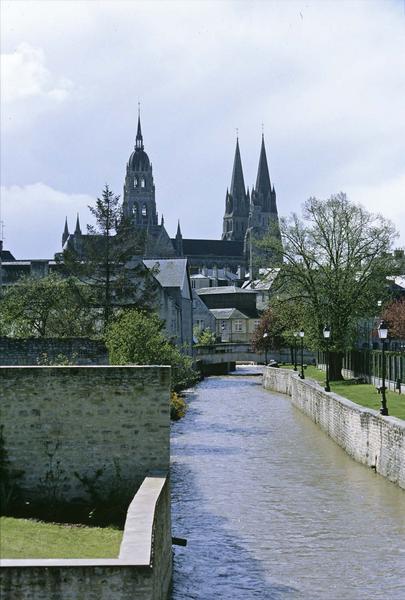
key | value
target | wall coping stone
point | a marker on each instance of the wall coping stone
(136, 546)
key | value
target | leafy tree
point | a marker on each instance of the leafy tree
(335, 263)
(268, 334)
(394, 314)
(51, 306)
(109, 259)
(136, 337)
(205, 337)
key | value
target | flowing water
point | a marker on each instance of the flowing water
(274, 509)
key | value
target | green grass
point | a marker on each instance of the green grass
(361, 393)
(25, 538)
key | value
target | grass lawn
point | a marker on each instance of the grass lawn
(26, 538)
(361, 393)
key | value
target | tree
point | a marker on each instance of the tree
(269, 332)
(48, 307)
(205, 337)
(109, 259)
(394, 314)
(136, 337)
(335, 263)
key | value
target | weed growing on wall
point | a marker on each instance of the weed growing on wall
(9, 489)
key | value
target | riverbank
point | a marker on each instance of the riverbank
(372, 439)
(361, 393)
(264, 498)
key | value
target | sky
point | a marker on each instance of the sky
(324, 80)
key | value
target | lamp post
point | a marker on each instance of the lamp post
(383, 334)
(326, 335)
(295, 350)
(265, 336)
(301, 334)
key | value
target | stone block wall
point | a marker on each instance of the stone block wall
(142, 570)
(34, 351)
(368, 437)
(63, 424)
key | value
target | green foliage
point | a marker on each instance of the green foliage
(205, 337)
(136, 337)
(52, 306)
(9, 490)
(178, 407)
(336, 260)
(109, 259)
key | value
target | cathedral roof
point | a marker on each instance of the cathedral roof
(263, 185)
(212, 248)
(237, 189)
(139, 160)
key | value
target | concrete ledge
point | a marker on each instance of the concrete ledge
(368, 437)
(145, 555)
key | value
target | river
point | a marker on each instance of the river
(274, 509)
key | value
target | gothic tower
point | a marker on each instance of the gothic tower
(236, 203)
(139, 189)
(263, 205)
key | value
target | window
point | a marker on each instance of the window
(135, 182)
(256, 323)
(144, 210)
(142, 182)
(238, 325)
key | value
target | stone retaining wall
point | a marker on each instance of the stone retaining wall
(143, 569)
(62, 425)
(35, 351)
(368, 437)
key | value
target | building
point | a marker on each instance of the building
(247, 216)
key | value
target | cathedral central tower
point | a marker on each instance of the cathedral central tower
(139, 204)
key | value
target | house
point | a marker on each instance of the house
(176, 306)
(233, 326)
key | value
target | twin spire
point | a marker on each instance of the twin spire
(263, 183)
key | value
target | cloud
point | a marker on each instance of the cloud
(24, 74)
(387, 198)
(34, 215)
(326, 78)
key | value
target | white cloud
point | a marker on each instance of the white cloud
(326, 78)
(386, 198)
(34, 216)
(24, 74)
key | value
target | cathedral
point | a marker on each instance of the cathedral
(248, 215)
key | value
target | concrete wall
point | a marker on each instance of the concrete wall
(34, 351)
(142, 571)
(368, 437)
(65, 423)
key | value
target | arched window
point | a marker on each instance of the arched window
(142, 182)
(135, 211)
(144, 211)
(135, 182)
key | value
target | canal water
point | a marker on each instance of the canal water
(274, 509)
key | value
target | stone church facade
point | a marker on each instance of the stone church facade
(248, 215)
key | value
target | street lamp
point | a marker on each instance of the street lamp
(295, 350)
(265, 335)
(301, 334)
(383, 334)
(326, 335)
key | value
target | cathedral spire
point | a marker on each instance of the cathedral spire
(179, 240)
(237, 184)
(139, 138)
(78, 231)
(65, 234)
(263, 185)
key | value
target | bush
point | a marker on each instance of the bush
(136, 337)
